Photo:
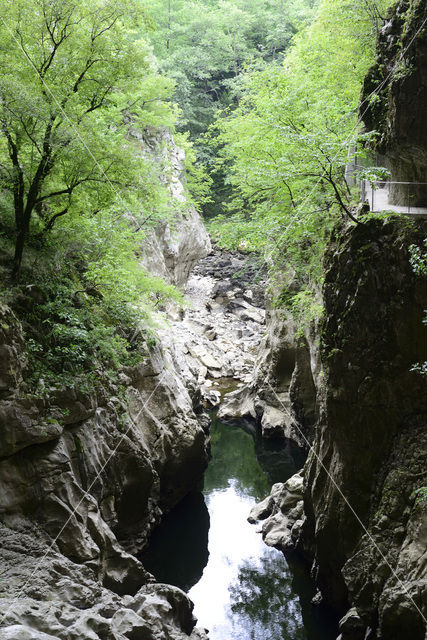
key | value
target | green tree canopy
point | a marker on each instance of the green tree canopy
(74, 76)
(288, 143)
(205, 45)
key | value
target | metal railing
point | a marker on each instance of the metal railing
(409, 198)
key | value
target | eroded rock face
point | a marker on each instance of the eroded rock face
(84, 478)
(281, 394)
(282, 513)
(398, 82)
(370, 442)
(175, 246)
(74, 497)
(63, 600)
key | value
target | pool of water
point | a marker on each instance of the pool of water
(242, 589)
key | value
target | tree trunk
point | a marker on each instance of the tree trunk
(22, 233)
(19, 250)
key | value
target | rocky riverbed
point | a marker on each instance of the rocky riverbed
(217, 337)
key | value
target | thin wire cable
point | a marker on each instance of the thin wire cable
(347, 142)
(119, 197)
(316, 455)
(85, 494)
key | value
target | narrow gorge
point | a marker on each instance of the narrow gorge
(213, 348)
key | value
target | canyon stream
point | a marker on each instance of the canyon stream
(241, 588)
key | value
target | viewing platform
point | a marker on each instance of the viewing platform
(379, 194)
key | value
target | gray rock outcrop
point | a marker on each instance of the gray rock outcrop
(46, 596)
(176, 245)
(282, 513)
(85, 476)
(76, 494)
(281, 394)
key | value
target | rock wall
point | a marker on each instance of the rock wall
(369, 450)
(357, 517)
(176, 245)
(282, 393)
(395, 95)
(84, 477)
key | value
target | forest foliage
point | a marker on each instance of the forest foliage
(81, 181)
(288, 143)
(268, 92)
(205, 46)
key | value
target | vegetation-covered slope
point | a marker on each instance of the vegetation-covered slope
(287, 145)
(84, 169)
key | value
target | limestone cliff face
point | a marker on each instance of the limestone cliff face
(84, 477)
(175, 245)
(369, 451)
(395, 97)
(356, 516)
(282, 393)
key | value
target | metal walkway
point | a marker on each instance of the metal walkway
(378, 198)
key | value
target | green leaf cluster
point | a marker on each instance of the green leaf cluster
(78, 90)
(205, 46)
(85, 121)
(287, 145)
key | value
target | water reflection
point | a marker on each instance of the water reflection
(279, 459)
(245, 591)
(242, 589)
(263, 599)
(178, 550)
(234, 461)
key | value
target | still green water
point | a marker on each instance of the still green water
(242, 589)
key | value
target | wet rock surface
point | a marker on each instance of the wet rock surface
(370, 443)
(356, 515)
